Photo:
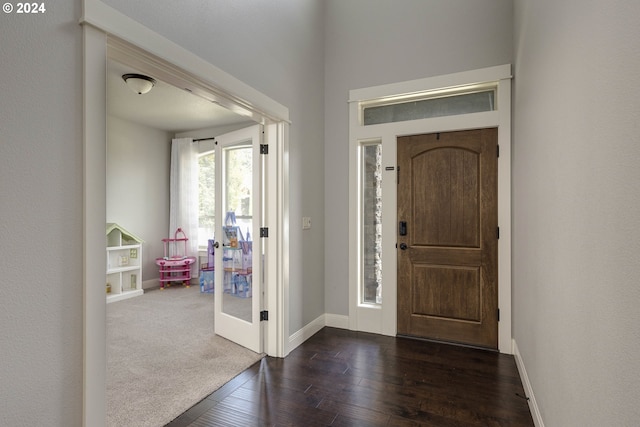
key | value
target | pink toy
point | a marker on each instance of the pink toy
(175, 266)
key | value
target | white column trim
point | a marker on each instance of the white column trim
(94, 218)
(114, 23)
(101, 23)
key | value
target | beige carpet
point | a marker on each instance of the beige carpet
(163, 357)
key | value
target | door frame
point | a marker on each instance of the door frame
(382, 318)
(104, 29)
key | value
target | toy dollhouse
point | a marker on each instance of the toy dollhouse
(124, 264)
(236, 259)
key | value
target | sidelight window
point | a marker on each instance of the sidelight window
(371, 223)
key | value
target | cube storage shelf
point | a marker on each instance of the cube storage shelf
(124, 264)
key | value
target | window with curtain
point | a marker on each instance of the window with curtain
(206, 197)
(183, 200)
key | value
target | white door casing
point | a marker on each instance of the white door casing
(105, 29)
(381, 318)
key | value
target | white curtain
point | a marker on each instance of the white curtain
(183, 203)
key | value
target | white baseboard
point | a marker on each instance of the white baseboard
(155, 283)
(336, 321)
(305, 333)
(533, 405)
(151, 283)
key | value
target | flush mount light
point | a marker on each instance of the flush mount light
(139, 83)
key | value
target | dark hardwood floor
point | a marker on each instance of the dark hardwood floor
(345, 378)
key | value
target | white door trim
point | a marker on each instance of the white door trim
(114, 23)
(382, 318)
(101, 24)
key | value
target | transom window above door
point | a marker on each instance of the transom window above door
(439, 103)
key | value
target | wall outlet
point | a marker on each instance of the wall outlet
(306, 222)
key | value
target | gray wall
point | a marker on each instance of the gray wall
(41, 217)
(138, 165)
(576, 208)
(374, 42)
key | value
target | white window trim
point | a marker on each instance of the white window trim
(204, 149)
(381, 319)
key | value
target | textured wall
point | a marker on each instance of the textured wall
(375, 42)
(576, 235)
(41, 217)
(138, 165)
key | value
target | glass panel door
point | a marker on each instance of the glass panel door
(238, 274)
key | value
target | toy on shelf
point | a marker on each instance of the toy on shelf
(207, 271)
(175, 265)
(237, 258)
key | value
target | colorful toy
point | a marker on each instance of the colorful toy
(175, 265)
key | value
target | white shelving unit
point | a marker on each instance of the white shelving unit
(124, 264)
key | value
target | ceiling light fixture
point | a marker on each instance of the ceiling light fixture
(139, 83)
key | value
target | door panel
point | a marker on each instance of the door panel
(452, 174)
(447, 261)
(447, 292)
(238, 267)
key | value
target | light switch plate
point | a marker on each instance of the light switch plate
(306, 222)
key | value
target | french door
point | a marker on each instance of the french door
(238, 248)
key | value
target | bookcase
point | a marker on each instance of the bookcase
(124, 264)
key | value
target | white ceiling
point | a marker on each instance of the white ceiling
(165, 107)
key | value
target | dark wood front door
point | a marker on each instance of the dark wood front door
(447, 237)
